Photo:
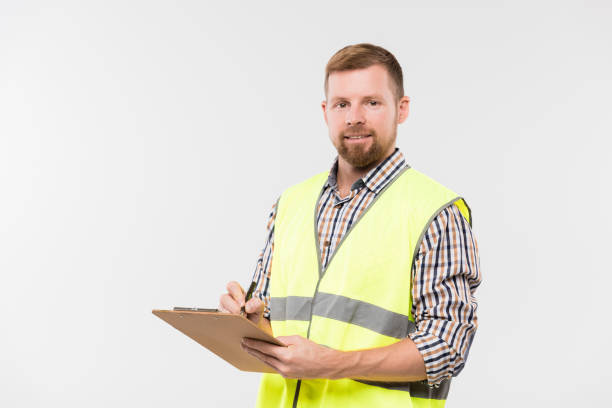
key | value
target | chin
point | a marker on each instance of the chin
(361, 160)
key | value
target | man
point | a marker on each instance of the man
(369, 270)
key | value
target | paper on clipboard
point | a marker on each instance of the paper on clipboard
(221, 333)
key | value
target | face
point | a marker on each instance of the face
(362, 114)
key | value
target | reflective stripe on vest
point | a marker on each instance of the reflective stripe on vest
(363, 299)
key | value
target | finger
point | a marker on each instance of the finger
(265, 348)
(254, 305)
(236, 292)
(228, 304)
(269, 360)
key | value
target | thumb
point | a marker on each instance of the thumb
(254, 308)
(289, 340)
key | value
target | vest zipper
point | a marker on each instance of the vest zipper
(297, 393)
(318, 248)
(296, 396)
(299, 383)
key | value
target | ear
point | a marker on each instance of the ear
(324, 105)
(403, 109)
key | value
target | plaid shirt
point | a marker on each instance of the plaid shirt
(445, 275)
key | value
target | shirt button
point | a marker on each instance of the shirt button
(327, 243)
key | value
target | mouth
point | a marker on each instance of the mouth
(356, 137)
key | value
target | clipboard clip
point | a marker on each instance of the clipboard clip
(193, 309)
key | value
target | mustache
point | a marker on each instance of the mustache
(357, 131)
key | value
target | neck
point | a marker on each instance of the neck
(349, 174)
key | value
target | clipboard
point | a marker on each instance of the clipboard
(220, 333)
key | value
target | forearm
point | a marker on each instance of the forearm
(303, 358)
(400, 361)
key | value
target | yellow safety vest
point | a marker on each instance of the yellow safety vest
(363, 299)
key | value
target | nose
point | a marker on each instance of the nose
(355, 116)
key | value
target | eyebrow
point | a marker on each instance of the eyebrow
(340, 98)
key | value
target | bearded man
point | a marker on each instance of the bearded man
(369, 270)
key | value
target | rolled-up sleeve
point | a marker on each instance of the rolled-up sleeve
(263, 267)
(446, 274)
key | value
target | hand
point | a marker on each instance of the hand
(233, 300)
(302, 358)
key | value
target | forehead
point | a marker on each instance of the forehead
(374, 80)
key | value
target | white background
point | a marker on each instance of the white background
(142, 145)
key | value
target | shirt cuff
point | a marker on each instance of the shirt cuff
(439, 358)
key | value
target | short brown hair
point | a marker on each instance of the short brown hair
(364, 55)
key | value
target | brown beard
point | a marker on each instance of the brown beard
(356, 155)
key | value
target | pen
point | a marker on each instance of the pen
(248, 296)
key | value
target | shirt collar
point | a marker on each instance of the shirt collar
(377, 178)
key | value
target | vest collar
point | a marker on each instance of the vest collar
(377, 178)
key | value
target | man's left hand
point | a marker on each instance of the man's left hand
(302, 358)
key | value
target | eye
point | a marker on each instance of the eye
(341, 104)
(373, 103)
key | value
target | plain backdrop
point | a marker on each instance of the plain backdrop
(143, 143)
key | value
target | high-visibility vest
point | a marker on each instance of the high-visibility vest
(363, 298)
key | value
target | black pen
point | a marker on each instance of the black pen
(248, 296)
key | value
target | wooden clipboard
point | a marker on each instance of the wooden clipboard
(221, 333)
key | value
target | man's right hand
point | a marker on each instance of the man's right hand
(233, 300)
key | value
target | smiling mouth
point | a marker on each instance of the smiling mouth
(356, 136)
